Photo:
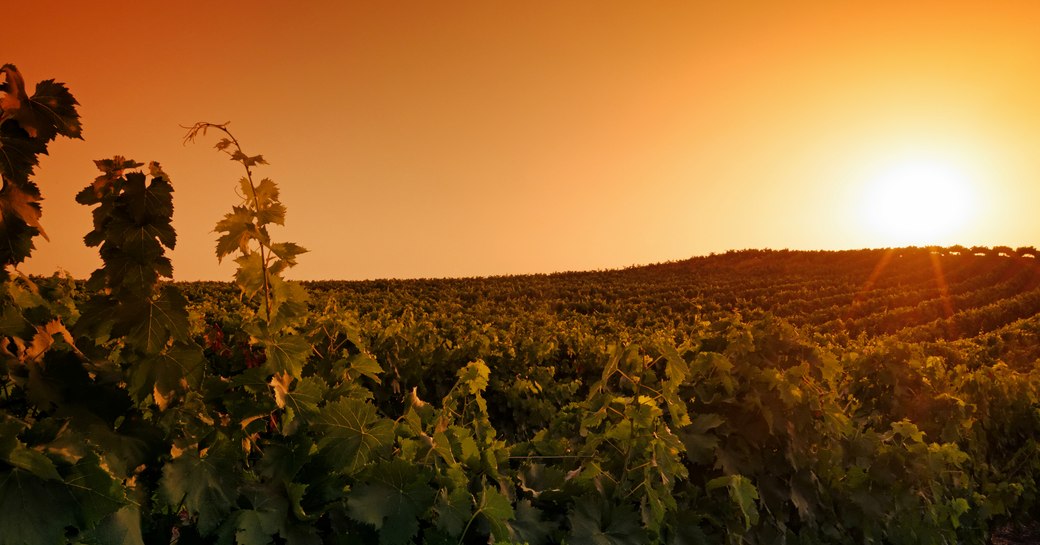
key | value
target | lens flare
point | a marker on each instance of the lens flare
(919, 202)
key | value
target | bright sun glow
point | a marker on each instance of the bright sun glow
(919, 203)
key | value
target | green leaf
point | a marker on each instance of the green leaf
(16, 237)
(594, 522)
(361, 364)
(288, 303)
(287, 252)
(18, 153)
(281, 463)
(49, 112)
(238, 229)
(301, 534)
(528, 525)
(204, 485)
(121, 528)
(247, 160)
(686, 532)
(162, 375)
(266, 192)
(248, 528)
(55, 111)
(97, 492)
(150, 202)
(700, 443)
(474, 376)
(354, 432)
(17, 454)
(151, 324)
(286, 354)
(272, 213)
(258, 525)
(306, 395)
(33, 511)
(393, 500)
(454, 509)
(743, 494)
(496, 510)
(250, 273)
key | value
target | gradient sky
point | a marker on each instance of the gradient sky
(432, 139)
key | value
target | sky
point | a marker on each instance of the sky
(475, 138)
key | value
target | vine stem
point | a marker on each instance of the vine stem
(264, 255)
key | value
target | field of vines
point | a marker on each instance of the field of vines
(885, 396)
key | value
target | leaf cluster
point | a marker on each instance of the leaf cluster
(27, 125)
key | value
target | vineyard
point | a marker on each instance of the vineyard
(764, 397)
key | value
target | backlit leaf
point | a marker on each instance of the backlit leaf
(238, 230)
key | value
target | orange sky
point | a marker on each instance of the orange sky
(418, 139)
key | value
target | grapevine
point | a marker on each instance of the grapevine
(751, 397)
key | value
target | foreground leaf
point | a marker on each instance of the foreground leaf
(353, 432)
(33, 510)
(393, 501)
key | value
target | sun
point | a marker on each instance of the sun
(918, 202)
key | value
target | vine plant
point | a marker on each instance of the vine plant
(248, 222)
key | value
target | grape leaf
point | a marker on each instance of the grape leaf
(363, 365)
(19, 154)
(305, 397)
(287, 252)
(454, 509)
(33, 510)
(97, 492)
(393, 501)
(111, 171)
(121, 528)
(288, 302)
(285, 353)
(17, 454)
(238, 229)
(247, 160)
(301, 534)
(248, 527)
(149, 325)
(250, 273)
(13, 100)
(204, 485)
(354, 431)
(496, 511)
(743, 494)
(268, 208)
(594, 522)
(528, 525)
(55, 110)
(16, 241)
(258, 525)
(180, 366)
(150, 204)
(49, 112)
